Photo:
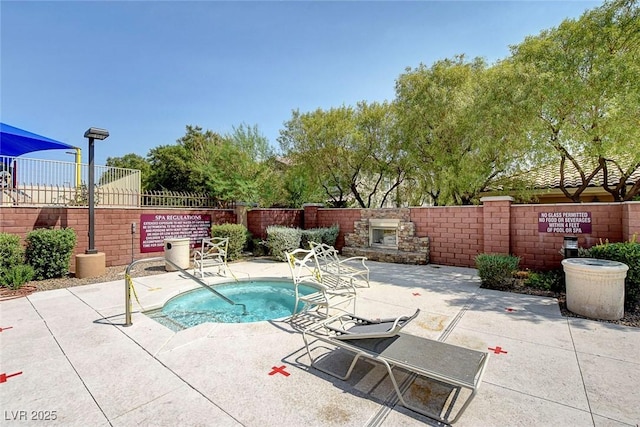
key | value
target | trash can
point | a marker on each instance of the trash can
(176, 251)
(570, 247)
(595, 287)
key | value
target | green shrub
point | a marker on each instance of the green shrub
(310, 235)
(547, 280)
(16, 276)
(327, 235)
(11, 252)
(259, 247)
(49, 252)
(238, 236)
(584, 253)
(629, 254)
(496, 270)
(331, 235)
(282, 239)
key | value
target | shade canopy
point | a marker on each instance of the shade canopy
(15, 142)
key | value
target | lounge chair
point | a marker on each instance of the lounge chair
(350, 327)
(330, 264)
(328, 294)
(457, 367)
(212, 253)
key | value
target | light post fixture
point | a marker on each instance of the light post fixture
(93, 134)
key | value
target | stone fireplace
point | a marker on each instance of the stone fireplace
(387, 235)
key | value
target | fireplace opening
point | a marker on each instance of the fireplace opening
(383, 233)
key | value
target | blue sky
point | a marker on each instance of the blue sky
(145, 70)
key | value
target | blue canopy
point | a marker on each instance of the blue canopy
(15, 142)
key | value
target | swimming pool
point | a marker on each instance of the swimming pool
(265, 299)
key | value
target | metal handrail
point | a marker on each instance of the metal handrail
(127, 288)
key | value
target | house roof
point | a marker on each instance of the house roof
(548, 176)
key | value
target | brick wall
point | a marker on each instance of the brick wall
(456, 233)
(259, 219)
(345, 218)
(541, 251)
(112, 227)
(631, 221)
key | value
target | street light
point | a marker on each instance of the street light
(93, 134)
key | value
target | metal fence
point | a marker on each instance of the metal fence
(37, 182)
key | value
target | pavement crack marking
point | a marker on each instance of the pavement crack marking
(67, 357)
(154, 357)
(584, 385)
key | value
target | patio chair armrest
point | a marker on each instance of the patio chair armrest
(362, 259)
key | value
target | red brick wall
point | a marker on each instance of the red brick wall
(455, 233)
(497, 217)
(541, 251)
(112, 227)
(631, 221)
(343, 217)
(259, 219)
(458, 233)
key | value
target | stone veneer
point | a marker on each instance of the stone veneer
(411, 249)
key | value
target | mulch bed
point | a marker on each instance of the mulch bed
(7, 294)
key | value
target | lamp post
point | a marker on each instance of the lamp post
(93, 134)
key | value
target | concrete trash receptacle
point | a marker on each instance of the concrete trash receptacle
(176, 251)
(595, 287)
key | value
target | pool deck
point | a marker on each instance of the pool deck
(67, 352)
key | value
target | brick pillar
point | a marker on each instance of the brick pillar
(241, 213)
(310, 218)
(497, 220)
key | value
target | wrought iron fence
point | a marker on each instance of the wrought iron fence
(182, 199)
(37, 182)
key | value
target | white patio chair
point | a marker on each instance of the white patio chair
(328, 293)
(352, 269)
(213, 253)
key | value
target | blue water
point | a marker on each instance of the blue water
(264, 299)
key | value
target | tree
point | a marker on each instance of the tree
(315, 144)
(171, 169)
(349, 152)
(454, 124)
(382, 164)
(260, 167)
(250, 140)
(187, 165)
(582, 81)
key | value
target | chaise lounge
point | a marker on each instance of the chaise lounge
(382, 341)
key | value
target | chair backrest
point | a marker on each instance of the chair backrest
(324, 254)
(379, 328)
(303, 266)
(215, 245)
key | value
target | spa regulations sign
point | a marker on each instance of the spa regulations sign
(564, 222)
(155, 228)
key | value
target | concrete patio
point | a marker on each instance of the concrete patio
(65, 354)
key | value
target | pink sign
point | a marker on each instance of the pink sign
(564, 222)
(155, 228)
